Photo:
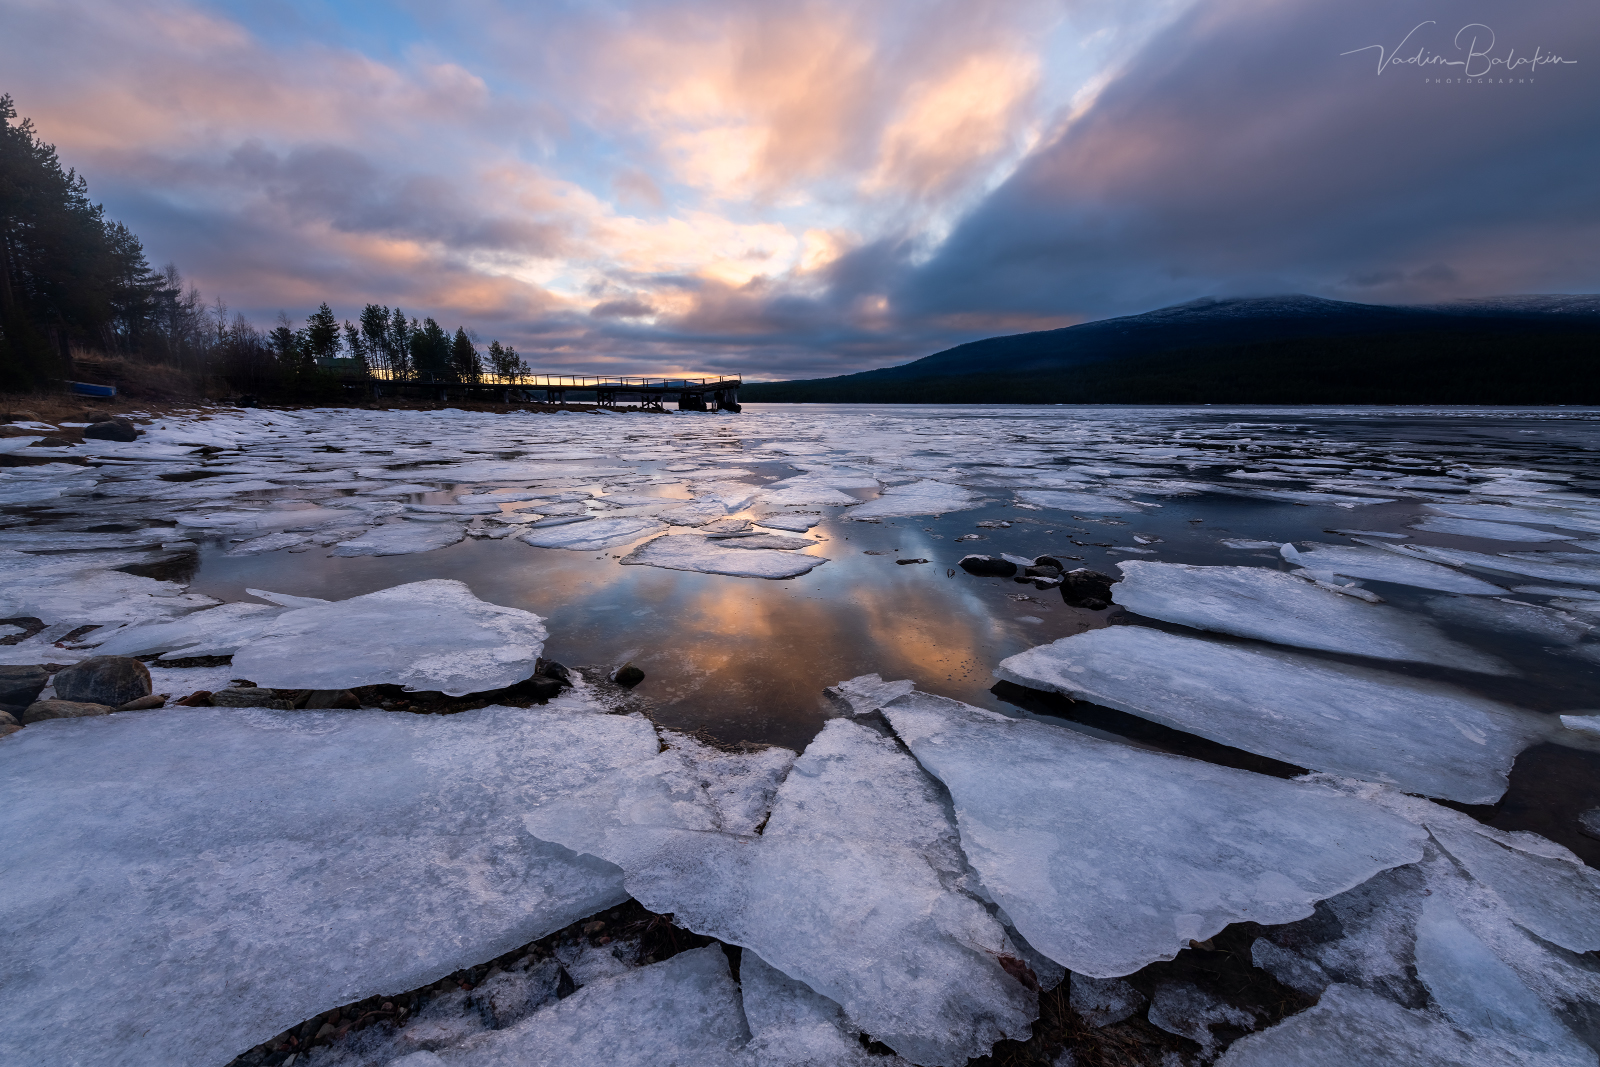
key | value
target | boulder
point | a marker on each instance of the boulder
(200, 698)
(22, 684)
(149, 703)
(6, 731)
(1042, 570)
(1084, 588)
(8, 719)
(248, 697)
(111, 430)
(108, 680)
(628, 676)
(988, 566)
(41, 710)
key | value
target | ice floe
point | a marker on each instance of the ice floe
(1423, 737)
(218, 631)
(595, 534)
(852, 887)
(1273, 606)
(1087, 503)
(926, 497)
(692, 552)
(429, 635)
(1533, 565)
(1107, 857)
(402, 539)
(257, 867)
(1494, 531)
(1353, 561)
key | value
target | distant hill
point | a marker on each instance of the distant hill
(1281, 349)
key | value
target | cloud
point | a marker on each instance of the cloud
(818, 187)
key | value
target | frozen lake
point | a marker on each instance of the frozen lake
(1401, 601)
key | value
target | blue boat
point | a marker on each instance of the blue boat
(86, 389)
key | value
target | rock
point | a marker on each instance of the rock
(1046, 583)
(1103, 1001)
(1589, 823)
(155, 700)
(111, 430)
(6, 731)
(41, 710)
(109, 680)
(904, 562)
(551, 669)
(332, 698)
(8, 719)
(22, 684)
(51, 441)
(1084, 588)
(988, 566)
(200, 698)
(248, 697)
(628, 676)
(1043, 570)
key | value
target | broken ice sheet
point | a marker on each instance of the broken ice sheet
(852, 887)
(1107, 858)
(1424, 737)
(792, 523)
(429, 635)
(1544, 565)
(791, 1026)
(1086, 503)
(1501, 615)
(925, 497)
(1357, 561)
(402, 539)
(1272, 606)
(216, 631)
(692, 552)
(82, 587)
(259, 867)
(1494, 531)
(593, 535)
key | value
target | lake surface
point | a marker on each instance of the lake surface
(746, 659)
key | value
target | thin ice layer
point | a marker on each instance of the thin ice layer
(1273, 606)
(1108, 858)
(423, 635)
(183, 884)
(683, 1012)
(1424, 737)
(691, 552)
(218, 631)
(1350, 1026)
(1546, 565)
(1552, 896)
(402, 539)
(1493, 531)
(851, 888)
(594, 535)
(1356, 561)
(791, 1026)
(1087, 503)
(926, 497)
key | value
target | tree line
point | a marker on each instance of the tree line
(73, 280)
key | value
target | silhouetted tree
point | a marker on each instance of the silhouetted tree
(322, 336)
(464, 359)
(430, 350)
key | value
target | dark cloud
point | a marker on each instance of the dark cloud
(1240, 152)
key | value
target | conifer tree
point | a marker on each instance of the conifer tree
(464, 359)
(322, 335)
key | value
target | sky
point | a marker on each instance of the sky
(808, 188)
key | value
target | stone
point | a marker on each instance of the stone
(22, 684)
(628, 676)
(41, 710)
(108, 680)
(7, 731)
(1042, 570)
(200, 698)
(8, 719)
(332, 698)
(988, 566)
(1589, 823)
(1103, 1001)
(111, 430)
(154, 700)
(1085, 588)
(248, 697)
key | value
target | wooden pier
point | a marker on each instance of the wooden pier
(651, 394)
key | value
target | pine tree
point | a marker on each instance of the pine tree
(464, 359)
(400, 346)
(430, 350)
(376, 339)
(357, 346)
(322, 336)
